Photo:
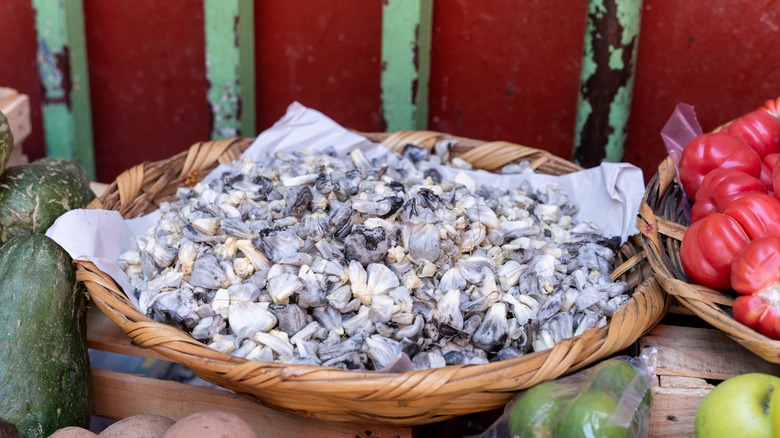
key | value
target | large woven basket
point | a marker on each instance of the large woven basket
(410, 398)
(663, 223)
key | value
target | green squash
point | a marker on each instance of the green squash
(33, 196)
(44, 361)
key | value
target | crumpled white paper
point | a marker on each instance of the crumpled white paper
(608, 195)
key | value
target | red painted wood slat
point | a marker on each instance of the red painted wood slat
(148, 80)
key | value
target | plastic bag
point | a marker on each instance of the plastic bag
(612, 399)
(681, 128)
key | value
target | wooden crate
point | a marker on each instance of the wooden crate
(16, 108)
(691, 361)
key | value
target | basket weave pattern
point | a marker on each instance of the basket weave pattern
(410, 398)
(663, 225)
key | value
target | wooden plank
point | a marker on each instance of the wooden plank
(686, 357)
(673, 411)
(62, 67)
(406, 47)
(607, 80)
(703, 353)
(118, 396)
(98, 188)
(7, 95)
(230, 66)
(684, 382)
(79, 94)
(17, 110)
(246, 68)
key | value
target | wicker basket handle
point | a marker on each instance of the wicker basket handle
(129, 183)
(205, 155)
(490, 156)
(497, 154)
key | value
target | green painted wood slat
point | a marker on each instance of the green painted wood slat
(406, 47)
(230, 70)
(607, 80)
(62, 67)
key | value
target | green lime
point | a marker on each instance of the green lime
(588, 415)
(613, 377)
(535, 412)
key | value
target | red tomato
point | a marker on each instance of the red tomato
(708, 247)
(712, 151)
(759, 130)
(767, 169)
(770, 160)
(761, 312)
(757, 267)
(776, 178)
(720, 188)
(755, 273)
(757, 213)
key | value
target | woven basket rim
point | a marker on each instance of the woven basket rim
(410, 398)
(662, 227)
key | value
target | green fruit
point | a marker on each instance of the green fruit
(70, 166)
(33, 196)
(739, 406)
(535, 411)
(613, 376)
(6, 142)
(774, 411)
(588, 415)
(44, 364)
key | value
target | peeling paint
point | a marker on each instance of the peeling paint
(54, 71)
(406, 29)
(589, 65)
(222, 61)
(62, 69)
(616, 58)
(226, 58)
(629, 17)
(53, 59)
(606, 80)
(618, 120)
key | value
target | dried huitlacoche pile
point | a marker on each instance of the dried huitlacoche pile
(314, 259)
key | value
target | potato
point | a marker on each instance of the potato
(138, 426)
(9, 430)
(73, 432)
(212, 423)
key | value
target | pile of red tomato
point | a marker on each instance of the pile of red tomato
(733, 178)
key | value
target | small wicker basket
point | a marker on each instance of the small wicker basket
(410, 398)
(663, 224)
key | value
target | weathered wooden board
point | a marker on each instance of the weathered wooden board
(686, 357)
(16, 108)
(703, 353)
(119, 395)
